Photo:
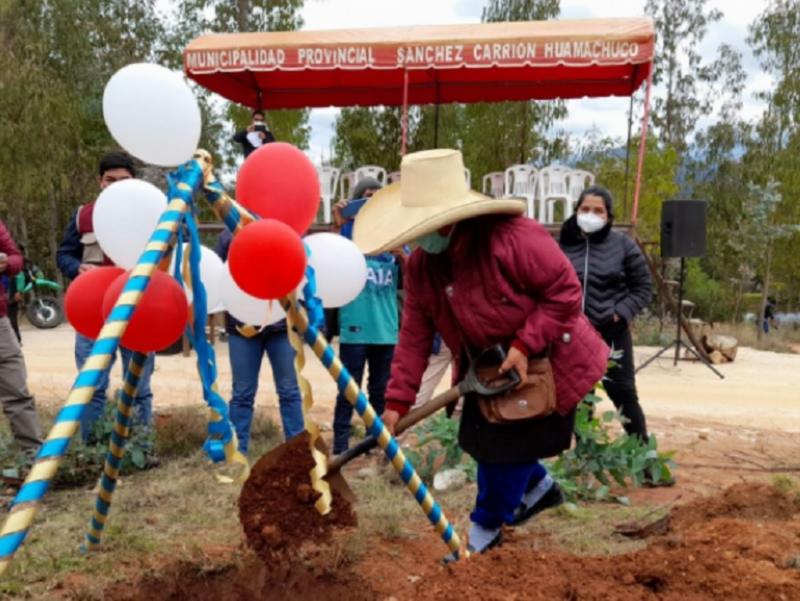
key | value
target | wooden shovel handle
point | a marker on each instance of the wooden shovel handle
(411, 418)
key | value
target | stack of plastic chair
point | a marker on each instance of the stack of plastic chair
(553, 188)
(379, 173)
(520, 182)
(347, 182)
(328, 182)
(493, 184)
(578, 181)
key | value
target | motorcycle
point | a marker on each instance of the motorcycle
(41, 298)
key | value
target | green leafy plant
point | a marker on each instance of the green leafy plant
(437, 448)
(83, 462)
(599, 460)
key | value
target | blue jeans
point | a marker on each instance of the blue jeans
(355, 357)
(246, 355)
(142, 402)
(500, 491)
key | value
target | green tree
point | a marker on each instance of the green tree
(690, 84)
(55, 58)
(194, 17)
(496, 135)
(492, 136)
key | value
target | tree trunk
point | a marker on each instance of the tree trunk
(765, 291)
(241, 17)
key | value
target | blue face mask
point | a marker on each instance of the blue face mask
(434, 243)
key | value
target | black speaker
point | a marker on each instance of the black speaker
(683, 228)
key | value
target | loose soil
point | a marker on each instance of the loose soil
(276, 506)
(740, 545)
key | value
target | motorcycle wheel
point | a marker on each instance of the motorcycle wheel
(45, 313)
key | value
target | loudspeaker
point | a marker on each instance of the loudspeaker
(683, 228)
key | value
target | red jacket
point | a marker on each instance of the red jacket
(523, 291)
(15, 261)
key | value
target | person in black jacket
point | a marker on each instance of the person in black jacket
(247, 346)
(616, 287)
(256, 135)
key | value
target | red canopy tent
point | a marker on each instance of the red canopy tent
(486, 62)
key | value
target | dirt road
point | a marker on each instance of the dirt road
(759, 390)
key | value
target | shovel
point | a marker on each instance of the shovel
(470, 384)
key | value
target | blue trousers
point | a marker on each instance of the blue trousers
(246, 355)
(500, 491)
(355, 357)
(142, 403)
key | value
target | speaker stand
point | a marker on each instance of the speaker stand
(678, 343)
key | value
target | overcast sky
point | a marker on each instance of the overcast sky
(607, 114)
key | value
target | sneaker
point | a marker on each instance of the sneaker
(552, 498)
(454, 556)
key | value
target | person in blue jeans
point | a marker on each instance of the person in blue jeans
(368, 328)
(78, 253)
(247, 346)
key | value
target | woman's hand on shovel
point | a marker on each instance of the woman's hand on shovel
(518, 361)
(390, 419)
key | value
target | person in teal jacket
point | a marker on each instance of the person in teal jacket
(368, 328)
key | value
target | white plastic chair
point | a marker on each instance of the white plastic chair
(328, 182)
(520, 182)
(468, 177)
(493, 184)
(579, 180)
(347, 182)
(379, 173)
(394, 176)
(553, 188)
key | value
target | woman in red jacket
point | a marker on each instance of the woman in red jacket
(484, 275)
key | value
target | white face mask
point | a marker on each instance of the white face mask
(590, 223)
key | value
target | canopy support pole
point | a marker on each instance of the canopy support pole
(404, 119)
(627, 160)
(642, 144)
(436, 116)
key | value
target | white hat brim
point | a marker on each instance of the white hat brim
(384, 223)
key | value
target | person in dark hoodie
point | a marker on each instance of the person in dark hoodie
(616, 287)
(80, 252)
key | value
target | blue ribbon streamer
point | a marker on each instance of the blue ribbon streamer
(313, 304)
(220, 432)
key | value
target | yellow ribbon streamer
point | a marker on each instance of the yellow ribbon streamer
(317, 473)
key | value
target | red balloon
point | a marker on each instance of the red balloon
(267, 259)
(83, 302)
(278, 181)
(160, 317)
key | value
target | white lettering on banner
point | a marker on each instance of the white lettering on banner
(591, 50)
(236, 58)
(426, 55)
(521, 51)
(335, 57)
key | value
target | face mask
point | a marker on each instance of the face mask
(590, 223)
(434, 243)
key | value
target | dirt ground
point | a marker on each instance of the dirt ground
(731, 531)
(758, 391)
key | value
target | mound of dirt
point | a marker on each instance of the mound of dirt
(741, 545)
(276, 506)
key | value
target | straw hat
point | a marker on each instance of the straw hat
(431, 194)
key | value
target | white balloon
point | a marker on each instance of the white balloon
(211, 268)
(125, 215)
(339, 267)
(152, 114)
(246, 308)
